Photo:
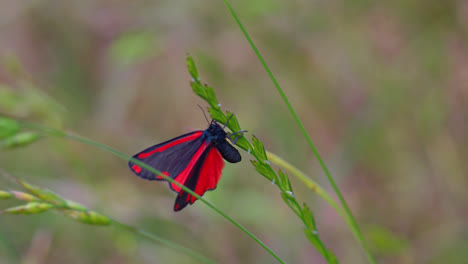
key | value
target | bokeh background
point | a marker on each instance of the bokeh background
(381, 86)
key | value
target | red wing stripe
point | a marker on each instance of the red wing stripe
(210, 173)
(182, 177)
(203, 176)
(171, 144)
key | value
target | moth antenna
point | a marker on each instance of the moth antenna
(203, 111)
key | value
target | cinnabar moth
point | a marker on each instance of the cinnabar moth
(194, 160)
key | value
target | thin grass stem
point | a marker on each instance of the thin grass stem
(354, 224)
(117, 153)
(315, 187)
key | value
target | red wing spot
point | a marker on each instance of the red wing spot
(136, 168)
(159, 177)
(176, 207)
(188, 198)
(170, 144)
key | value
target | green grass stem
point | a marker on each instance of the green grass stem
(161, 240)
(354, 224)
(117, 153)
(151, 237)
(315, 187)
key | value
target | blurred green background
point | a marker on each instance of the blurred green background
(381, 86)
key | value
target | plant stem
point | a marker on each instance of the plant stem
(149, 236)
(90, 142)
(315, 187)
(354, 224)
(308, 182)
(161, 240)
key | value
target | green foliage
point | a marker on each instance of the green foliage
(75, 206)
(264, 169)
(353, 224)
(309, 219)
(12, 137)
(292, 203)
(284, 183)
(380, 83)
(5, 195)
(29, 208)
(205, 92)
(233, 123)
(41, 200)
(64, 204)
(310, 229)
(87, 217)
(261, 164)
(19, 140)
(8, 127)
(24, 196)
(259, 149)
(192, 69)
(43, 194)
(217, 115)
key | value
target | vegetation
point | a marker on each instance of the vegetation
(376, 95)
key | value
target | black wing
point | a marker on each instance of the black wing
(172, 158)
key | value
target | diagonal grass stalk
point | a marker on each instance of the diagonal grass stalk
(312, 185)
(261, 164)
(307, 181)
(67, 206)
(161, 240)
(59, 133)
(353, 222)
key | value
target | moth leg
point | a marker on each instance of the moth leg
(240, 134)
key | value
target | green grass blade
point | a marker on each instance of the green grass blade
(315, 187)
(307, 181)
(354, 224)
(164, 241)
(71, 206)
(117, 153)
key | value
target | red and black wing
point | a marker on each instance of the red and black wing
(202, 176)
(174, 158)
